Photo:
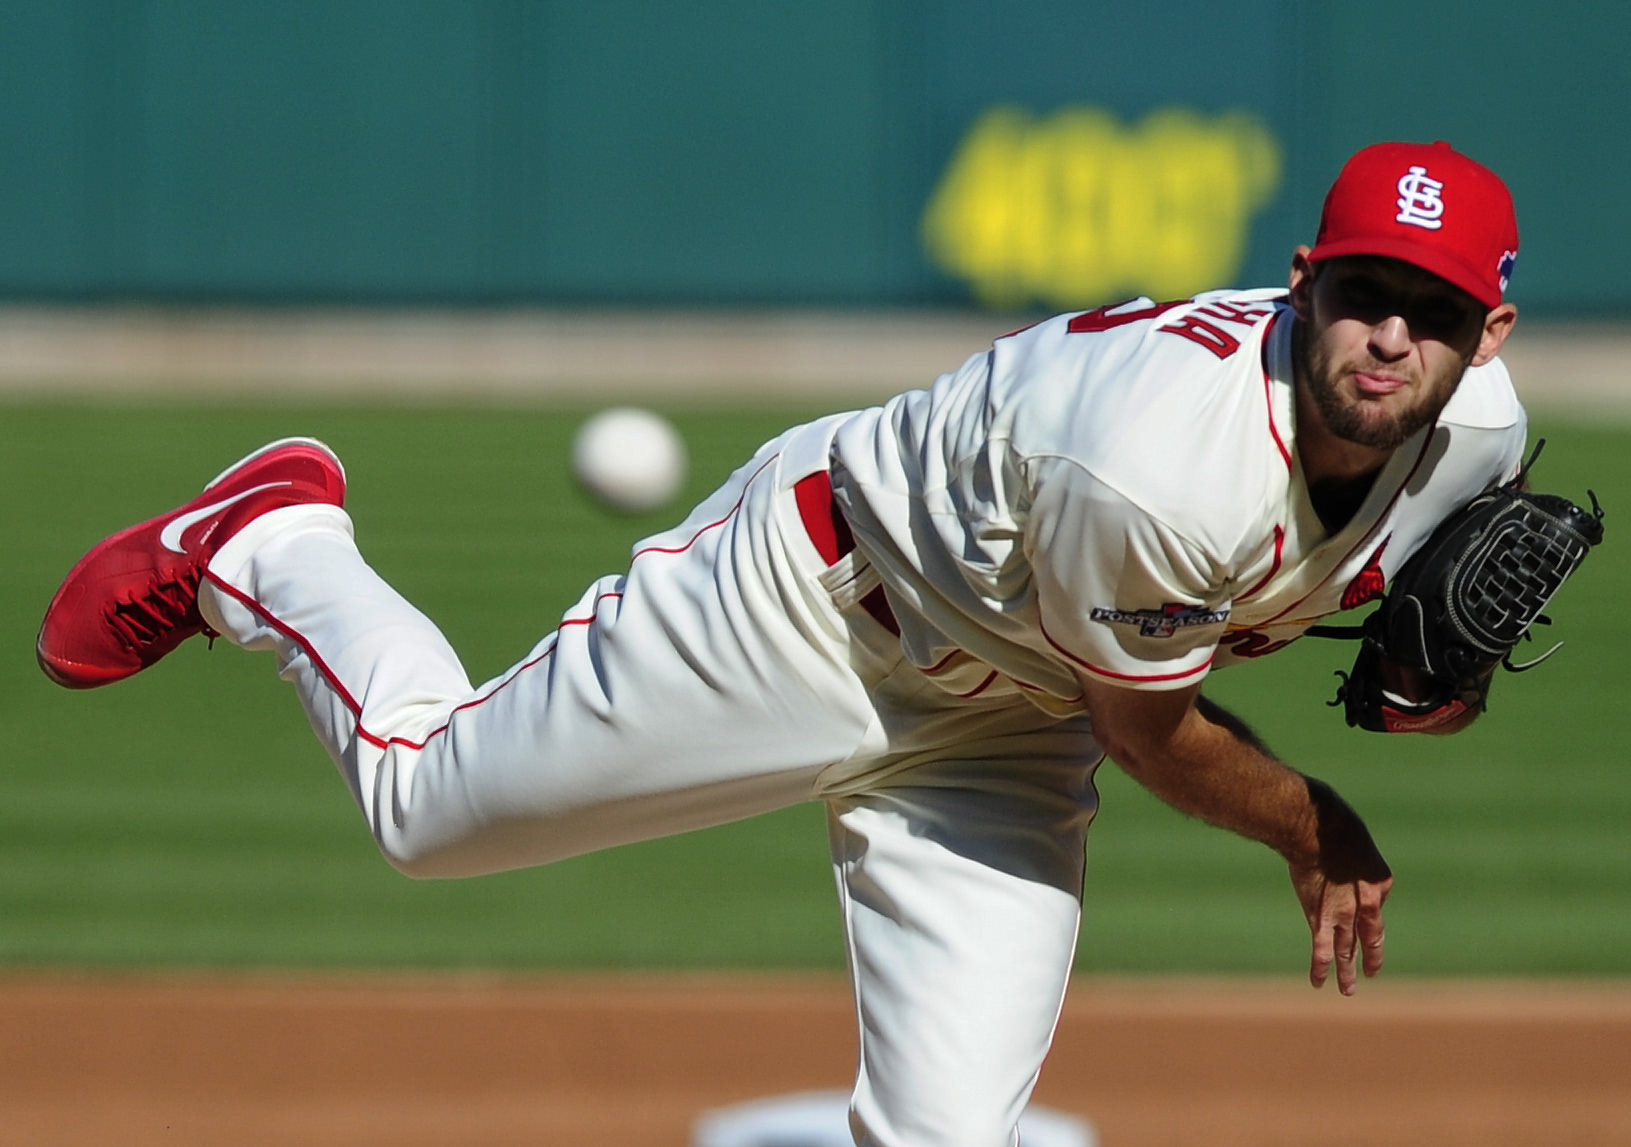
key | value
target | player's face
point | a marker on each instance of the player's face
(1383, 345)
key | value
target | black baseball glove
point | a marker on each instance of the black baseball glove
(1461, 603)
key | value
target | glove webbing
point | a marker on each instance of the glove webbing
(1499, 588)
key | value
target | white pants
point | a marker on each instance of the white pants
(730, 672)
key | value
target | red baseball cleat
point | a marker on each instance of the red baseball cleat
(134, 597)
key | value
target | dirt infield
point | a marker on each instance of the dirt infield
(573, 1062)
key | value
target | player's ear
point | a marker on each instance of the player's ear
(1498, 325)
(1302, 282)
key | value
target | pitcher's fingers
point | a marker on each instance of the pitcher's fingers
(1372, 929)
(1324, 950)
(1373, 944)
(1345, 941)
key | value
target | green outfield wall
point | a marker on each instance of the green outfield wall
(834, 152)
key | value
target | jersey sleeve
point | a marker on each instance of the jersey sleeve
(1122, 596)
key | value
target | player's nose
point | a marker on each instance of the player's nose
(1390, 338)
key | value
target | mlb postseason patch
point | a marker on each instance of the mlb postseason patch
(1163, 622)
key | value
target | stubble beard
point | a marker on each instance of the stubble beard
(1365, 422)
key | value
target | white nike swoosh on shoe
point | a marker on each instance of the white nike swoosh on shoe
(170, 536)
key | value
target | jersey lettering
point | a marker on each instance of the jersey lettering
(1113, 316)
(1201, 326)
(1202, 333)
(1245, 314)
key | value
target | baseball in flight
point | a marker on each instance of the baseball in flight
(630, 459)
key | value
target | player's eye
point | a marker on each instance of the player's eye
(1361, 297)
(1442, 320)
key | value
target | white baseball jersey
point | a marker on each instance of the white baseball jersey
(1119, 492)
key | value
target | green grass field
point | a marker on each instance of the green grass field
(187, 818)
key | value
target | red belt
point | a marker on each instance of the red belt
(825, 524)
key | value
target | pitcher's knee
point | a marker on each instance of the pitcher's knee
(447, 847)
(412, 865)
(419, 858)
(453, 861)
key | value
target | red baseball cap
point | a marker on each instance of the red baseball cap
(1429, 205)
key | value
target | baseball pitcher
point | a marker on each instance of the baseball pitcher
(940, 616)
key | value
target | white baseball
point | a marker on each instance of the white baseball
(630, 459)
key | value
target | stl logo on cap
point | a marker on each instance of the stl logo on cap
(1421, 199)
(1429, 205)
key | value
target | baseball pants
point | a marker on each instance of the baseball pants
(733, 670)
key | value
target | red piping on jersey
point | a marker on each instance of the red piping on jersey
(934, 670)
(1122, 676)
(1268, 392)
(711, 525)
(1147, 676)
(942, 663)
(980, 688)
(1365, 540)
(1028, 687)
(351, 702)
(1279, 554)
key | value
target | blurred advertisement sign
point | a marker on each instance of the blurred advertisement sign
(1076, 208)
